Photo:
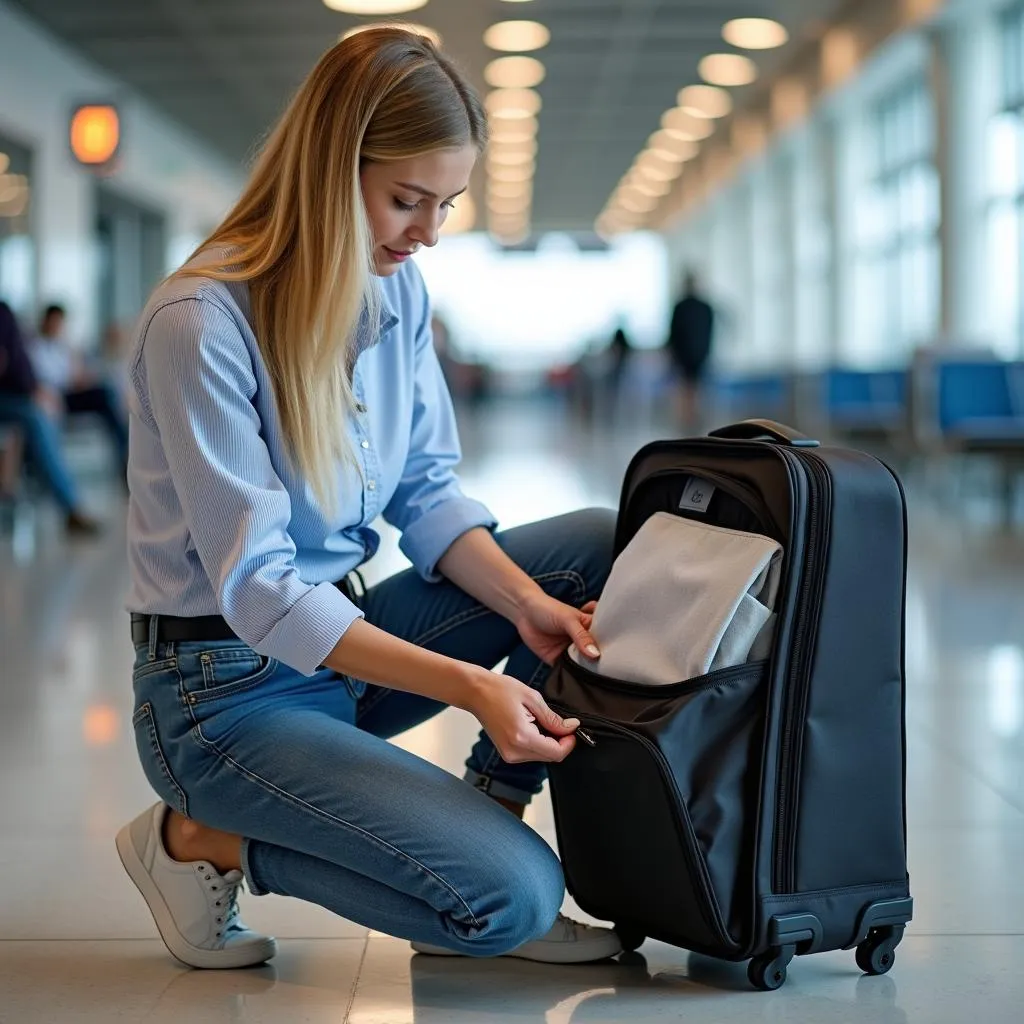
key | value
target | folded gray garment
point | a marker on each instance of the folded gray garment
(685, 598)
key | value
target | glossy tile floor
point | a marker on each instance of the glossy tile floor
(77, 944)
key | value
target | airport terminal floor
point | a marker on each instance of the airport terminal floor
(77, 943)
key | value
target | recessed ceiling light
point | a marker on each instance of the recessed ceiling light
(512, 103)
(684, 149)
(650, 158)
(727, 69)
(517, 35)
(668, 156)
(514, 72)
(461, 217)
(527, 146)
(637, 203)
(409, 26)
(704, 101)
(375, 6)
(509, 188)
(754, 33)
(649, 188)
(511, 172)
(508, 204)
(655, 172)
(509, 157)
(685, 126)
(517, 130)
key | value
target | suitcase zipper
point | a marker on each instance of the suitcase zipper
(795, 708)
(698, 872)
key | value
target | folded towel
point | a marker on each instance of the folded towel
(685, 598)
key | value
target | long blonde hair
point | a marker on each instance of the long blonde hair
(299, 234)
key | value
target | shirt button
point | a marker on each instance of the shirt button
(364, 444)
(372, 485)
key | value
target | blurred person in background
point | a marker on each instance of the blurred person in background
(689, 349)
(83, 389)
(285, 391)
(620, 351)
(35, 410)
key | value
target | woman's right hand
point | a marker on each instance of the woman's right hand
(519, 722)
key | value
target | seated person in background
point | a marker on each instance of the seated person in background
(59, 367)
(34, 408)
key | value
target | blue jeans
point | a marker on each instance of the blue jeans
(42, 443)
(328, 810)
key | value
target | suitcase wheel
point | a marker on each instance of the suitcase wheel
(877, 953)
(767, 972)
(630, 937)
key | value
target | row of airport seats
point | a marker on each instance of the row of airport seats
(953, 405)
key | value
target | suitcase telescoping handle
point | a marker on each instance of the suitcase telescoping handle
(764, 430)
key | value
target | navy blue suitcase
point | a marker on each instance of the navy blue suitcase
(757, 812)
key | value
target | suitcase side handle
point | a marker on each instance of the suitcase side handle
(756, 430)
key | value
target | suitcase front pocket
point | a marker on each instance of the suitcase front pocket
(656, 821)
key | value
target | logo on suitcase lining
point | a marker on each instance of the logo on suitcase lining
(697, 494)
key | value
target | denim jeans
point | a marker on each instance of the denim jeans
(42, 442)
(332, 813)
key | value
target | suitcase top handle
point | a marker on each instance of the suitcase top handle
(764, 430)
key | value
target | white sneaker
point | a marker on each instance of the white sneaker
(194, 907)
(568, 942)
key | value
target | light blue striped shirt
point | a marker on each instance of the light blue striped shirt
(220, 523)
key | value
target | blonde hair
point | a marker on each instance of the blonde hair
(299, 234)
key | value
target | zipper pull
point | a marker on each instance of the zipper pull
(586, 737)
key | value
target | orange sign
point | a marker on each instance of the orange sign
(95, 134)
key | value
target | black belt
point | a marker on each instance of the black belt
(178, 629)
(175, 629)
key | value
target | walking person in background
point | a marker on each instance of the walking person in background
(36, 410)
(285, 392)
(689, 347)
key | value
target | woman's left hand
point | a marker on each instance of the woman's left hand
(548, 626)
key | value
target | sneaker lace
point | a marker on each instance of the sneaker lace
(223, 896)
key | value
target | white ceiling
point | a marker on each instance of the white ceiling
(225, 68)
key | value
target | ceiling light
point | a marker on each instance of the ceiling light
(668, 139)
(509, 157)
(727, 69)
(409, 26)
(508, 204)
(511, 172)
(649, 188)
(754, 33)
(655, 171)
(636, 203)
(528, 146)
(514, 72)
(668, 156)
(517, 35)
(461, 217)
(375, 6)
(686, 127)
(509, 189)
(517, 130)
(650, 159)
(704, 101)
(512, 103)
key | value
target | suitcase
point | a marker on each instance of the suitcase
(757, 812)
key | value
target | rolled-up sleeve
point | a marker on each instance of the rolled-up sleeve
(428, 505)
(198, 388)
